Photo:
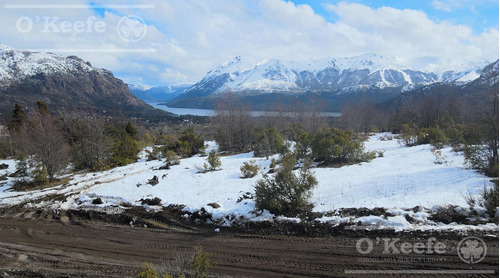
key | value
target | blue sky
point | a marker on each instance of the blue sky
(178, 41)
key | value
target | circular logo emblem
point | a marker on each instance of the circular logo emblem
(131, 28)
(471, 250)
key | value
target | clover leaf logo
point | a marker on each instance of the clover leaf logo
(131, 28)
(471, 250)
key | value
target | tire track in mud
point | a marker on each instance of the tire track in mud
(97, 249)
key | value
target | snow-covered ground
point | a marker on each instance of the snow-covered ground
(401, 179)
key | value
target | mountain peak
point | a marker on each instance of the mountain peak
(4, 47)
(331, 75)
(64, 83)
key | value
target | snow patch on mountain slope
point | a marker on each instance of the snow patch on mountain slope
(18, 64)
(332, 74)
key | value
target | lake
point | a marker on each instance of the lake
(210, 112)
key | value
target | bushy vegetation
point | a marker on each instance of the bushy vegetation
(213, 162)
(199, 264)
(171, 158)
(267, 142)
(488, 198)
(336, 146)
(479, 144)
(286, 193)
(249, 169)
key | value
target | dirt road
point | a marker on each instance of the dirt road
(54, 248)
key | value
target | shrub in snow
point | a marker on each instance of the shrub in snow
(434, 136)
(273, 163)
(303, 141)
(189, 143)
(21, 168)
(489, 198)
(336, 146)
(286, 193)
(213, 162)
(97, 201)
(267, 142)
(40, 175)
(154, 154)
(249, 170)
(482, 157)
(408, 135)
(172, 158)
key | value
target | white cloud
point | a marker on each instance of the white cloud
(442, 6)
(191, 37)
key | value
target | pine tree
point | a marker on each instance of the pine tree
(18, 118)
(213, 162)
(42, 107)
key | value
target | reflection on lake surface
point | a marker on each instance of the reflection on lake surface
(209, 112)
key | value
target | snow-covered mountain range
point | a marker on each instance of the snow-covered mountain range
(277, 75)
(339, 76)
(64, 83)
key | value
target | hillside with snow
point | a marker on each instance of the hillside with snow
(410, 183)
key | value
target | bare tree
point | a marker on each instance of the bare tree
(233, 123)
(90, 146)
(46, 142)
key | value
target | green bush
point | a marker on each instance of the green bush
(249, 170)
(131, 130)
(40, 175)
(189, 143)
(154, 154)
(482, 158)
(273, 163)
(213, 160)
(125, 150)
(303, 143)
(286, 193)
(172, 158)
(408, 135)
(267, 142)
(489, 198)
(21, 168)
(336, 146)
(149, 272)
(201, 263)
(434, 136)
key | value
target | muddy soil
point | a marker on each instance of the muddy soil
(72, 245)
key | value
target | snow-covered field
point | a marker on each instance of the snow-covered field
(402, 179)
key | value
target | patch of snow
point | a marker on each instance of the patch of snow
(405, 177)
